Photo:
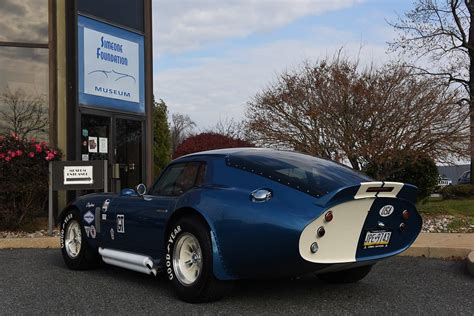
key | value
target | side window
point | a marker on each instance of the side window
(200, 175)
(180, 178)
(165, 185)
(186, 179)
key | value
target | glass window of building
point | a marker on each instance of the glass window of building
(24, 21)
(24, 68)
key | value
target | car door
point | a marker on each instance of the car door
(139, 221)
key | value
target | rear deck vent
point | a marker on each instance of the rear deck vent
(379, 189)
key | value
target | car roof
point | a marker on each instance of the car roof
(228, 151)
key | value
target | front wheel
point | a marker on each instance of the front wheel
(189, 262)
(346, 276)
(76, 252)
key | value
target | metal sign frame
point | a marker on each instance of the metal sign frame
(57, 179)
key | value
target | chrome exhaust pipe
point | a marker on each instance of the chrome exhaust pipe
(128, 260)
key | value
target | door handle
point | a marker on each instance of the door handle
(261, 195)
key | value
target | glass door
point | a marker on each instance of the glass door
(95, 136)
(128, 151)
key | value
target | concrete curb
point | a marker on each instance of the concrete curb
(420, 248)
(37, 242)
(444, 246)
(436, 252)
(470, 263)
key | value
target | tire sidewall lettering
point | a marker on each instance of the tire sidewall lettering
(63, 228)
(174, 233)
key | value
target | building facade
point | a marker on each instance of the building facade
(87, 65)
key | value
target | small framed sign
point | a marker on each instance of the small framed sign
(78, 175)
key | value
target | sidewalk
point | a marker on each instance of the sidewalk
(444, 246)
(441, 245)
(38, 242)
(429, 245)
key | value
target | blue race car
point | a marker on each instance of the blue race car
(243, 213)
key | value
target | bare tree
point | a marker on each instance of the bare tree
(440, 35)
(181, 127)
(228, 127)
(23, 114)
(336, 110)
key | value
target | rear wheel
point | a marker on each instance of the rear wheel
(189, 262)
(346, 276)
(77, 254)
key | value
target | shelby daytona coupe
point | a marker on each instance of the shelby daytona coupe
(243, 213)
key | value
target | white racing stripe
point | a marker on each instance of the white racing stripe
(339, 244)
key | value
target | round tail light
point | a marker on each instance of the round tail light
(321, 231)
(402, 226)
(328, 217)
(405, 215)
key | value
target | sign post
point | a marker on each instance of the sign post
(75, 175)
(50, 200)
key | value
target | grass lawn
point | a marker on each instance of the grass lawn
(433, 206)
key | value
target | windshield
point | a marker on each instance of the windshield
(305, 173)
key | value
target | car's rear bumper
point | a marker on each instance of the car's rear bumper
(344, 240)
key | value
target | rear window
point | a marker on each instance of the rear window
(305, 173)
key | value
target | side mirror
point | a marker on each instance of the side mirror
(141, 189)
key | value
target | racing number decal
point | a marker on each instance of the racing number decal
(120, 223)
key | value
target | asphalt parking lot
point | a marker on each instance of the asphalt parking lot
(38, 282)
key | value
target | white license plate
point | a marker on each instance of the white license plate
(377, 239)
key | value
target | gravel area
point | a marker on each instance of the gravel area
(447, 224)
(22, 234)
(436, 224)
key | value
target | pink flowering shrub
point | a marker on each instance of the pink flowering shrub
(23, 179)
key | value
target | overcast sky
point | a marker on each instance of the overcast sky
(212, 56)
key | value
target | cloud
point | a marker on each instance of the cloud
(220, 87)
(24, 21)
(25, 69)
(197, 71)
(182, 25)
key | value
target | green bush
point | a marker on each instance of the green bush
(419, 170)
(23, 179)
(458, 191)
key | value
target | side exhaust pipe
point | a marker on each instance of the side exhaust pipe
(127, 260)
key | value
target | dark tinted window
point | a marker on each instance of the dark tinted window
(124, 12)
(308, 174)
(179, 178)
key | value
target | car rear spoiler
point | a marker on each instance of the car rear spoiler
(373, 189)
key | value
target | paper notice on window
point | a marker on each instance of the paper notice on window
(92, 144)
(103, 145)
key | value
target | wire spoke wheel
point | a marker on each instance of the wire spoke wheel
(187, 259)
(73, 239)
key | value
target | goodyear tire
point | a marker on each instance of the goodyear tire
(188, 262)
(76, 253)
(346, 276)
